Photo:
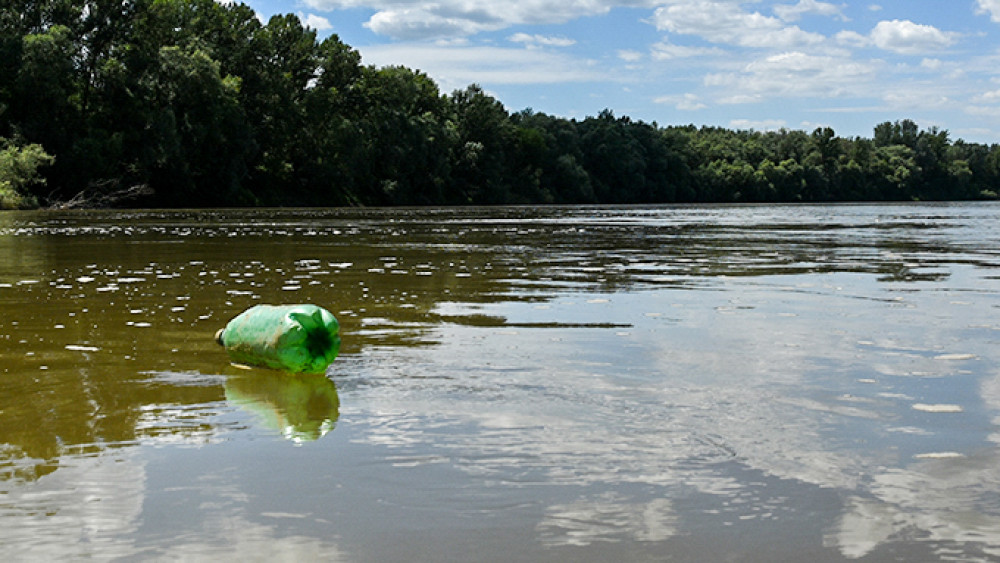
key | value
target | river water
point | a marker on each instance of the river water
(745, 383)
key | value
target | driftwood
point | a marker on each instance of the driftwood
(98, 195)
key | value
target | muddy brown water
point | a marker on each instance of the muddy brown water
(745, 383)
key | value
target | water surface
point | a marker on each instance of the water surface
(715, 383)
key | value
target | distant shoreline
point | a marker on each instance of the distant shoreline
(195, 103)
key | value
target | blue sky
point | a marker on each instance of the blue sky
(760, 64)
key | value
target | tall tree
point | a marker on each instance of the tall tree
(198, 136)
(406, 137)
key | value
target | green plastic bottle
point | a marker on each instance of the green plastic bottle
(293, 338)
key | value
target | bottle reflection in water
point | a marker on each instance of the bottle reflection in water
(303, 407)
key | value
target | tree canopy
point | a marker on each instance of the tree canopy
(207, 106)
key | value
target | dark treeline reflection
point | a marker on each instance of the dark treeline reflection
(205, 105)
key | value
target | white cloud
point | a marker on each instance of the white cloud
(690, 103)
(629, 56)
(908, 38)
(402, 19)
(318, 23)
(665, 50)
(457, 67)
(737, 99)
(728, 24)
(789, 12)
(795, 74)
(331, 5)
(983, 111)
(453, 42)
(541, 40)
(812, 126)
(686, 102)
(419, 23)
(991, 97)
(986, 104)
(913, 99)
(991, 7)
(899, 36)
(852, 39)
(758, 125)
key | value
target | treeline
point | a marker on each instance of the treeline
(201, 104)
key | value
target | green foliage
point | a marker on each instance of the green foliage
(19, 171)
(206, 105)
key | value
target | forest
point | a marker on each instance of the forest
(194, 103)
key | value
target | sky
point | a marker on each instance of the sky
(763, 65)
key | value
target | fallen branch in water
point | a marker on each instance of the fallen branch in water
(96, 196)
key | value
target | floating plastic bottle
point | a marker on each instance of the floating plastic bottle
(293, 338)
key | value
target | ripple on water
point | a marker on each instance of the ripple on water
(585, 371)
